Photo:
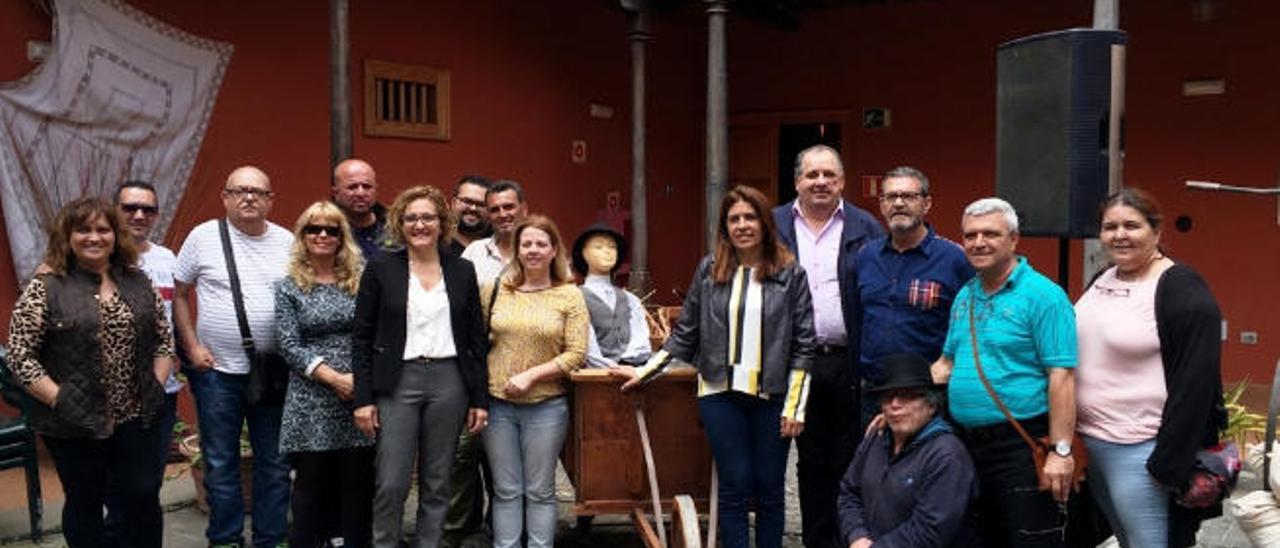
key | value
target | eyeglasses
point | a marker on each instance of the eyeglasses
(413, 219)
(908, 197)
(470, 202)
(242, 191)
(147, 210)
(327, 230)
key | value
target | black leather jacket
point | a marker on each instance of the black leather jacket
(701, 335)
(71, 355)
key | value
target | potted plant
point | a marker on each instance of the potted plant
(1241, 423)
(190, 448)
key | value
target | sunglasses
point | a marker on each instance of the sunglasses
(328, 230)
(147, 210)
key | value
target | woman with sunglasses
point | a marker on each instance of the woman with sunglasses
(315, 305)
(419, 354)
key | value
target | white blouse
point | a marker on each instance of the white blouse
(428, 328)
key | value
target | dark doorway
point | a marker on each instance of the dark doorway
(793, 138)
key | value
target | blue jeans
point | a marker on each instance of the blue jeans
(1142, 517)
(523, 442)
(751, 461)
(113, 533)
(222, 407)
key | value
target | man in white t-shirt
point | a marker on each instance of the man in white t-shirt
(136, 201)
(219, 366)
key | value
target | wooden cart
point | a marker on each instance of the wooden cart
(607, 462)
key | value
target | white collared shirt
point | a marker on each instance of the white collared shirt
(428, 328)
(487, 258)
(638, 349)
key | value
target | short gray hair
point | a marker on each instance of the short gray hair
(813, 150)
(987, 206)
(910, 173)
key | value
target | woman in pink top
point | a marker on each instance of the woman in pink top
(1148, 388)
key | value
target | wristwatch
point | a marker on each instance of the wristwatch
(1062, 448)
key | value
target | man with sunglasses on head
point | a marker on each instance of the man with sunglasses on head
(219, 365)
(906, 281)
(355, 191)
(472, 212)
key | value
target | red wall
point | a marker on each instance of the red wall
(933, 65)
(525, 72)
(523, 76)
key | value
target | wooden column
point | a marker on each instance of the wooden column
(717, 155)
(339, 83)
(638, 35)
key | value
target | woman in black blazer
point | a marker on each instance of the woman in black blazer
(416, 386)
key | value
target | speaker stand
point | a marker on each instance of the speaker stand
(1064, 263)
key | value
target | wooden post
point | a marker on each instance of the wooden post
(638, 34)
(339, 83)
(717, 155)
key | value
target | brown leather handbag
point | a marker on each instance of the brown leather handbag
(1039, 448)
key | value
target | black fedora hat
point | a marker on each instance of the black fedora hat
(903, 371)
(580, 263)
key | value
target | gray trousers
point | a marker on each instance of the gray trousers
(423, 418)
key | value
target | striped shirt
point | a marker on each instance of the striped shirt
(261, 261)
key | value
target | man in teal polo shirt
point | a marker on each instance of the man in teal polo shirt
(1026, 339)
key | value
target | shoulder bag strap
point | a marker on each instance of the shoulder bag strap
(246, 337)
(493, 297)
(977, 364)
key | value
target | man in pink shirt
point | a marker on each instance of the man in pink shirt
(825, 232)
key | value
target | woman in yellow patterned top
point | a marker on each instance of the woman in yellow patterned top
(747, 325)
(538, 335)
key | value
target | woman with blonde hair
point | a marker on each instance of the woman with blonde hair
(419, 352)
(315, 307)
(539, 335)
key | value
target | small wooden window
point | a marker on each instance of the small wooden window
(406, 101)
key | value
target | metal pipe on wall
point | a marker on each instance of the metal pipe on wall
(638, 34)
(339, 83)
(717, 158)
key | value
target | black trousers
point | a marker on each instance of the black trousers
(1012, 512)
(328, 486)
(113, 524)
(126, 461)
(832, 431)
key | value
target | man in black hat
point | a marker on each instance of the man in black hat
(912, 482)
(619, 333)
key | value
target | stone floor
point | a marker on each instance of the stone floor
(184, 524)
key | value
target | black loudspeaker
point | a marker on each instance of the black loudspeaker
(1053, 97)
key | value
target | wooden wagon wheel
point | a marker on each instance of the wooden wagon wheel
(684, 523)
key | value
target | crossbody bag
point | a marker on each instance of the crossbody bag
(268, 373)
(1039, 448)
